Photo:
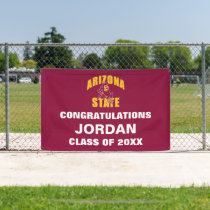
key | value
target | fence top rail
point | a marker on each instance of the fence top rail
(101, 44)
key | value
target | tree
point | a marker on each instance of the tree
(92, 61)
(128, 57)
(36, 80)
(177, 58)
(29, 64)
(207, 60)
(27, 53)
(160, 56)
(76, 64)
(59, 57)
(13, 61)
(82, 56)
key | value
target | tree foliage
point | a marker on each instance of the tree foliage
(82, 56)
(92, 61)
(29, 64)
(177, 58)
(128, 57)
(77, 64)
(198, 60)
(59, 57)
(13, 61)
(27, 53)
(36, 80)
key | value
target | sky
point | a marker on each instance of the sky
(105, 21)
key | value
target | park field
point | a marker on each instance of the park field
(25, 100)
(50, 197)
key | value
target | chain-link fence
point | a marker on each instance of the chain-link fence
(20, 87)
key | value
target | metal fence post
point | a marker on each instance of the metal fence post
(203, 96)
(7, 93)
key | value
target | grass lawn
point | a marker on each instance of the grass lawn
(104, 198)
(25, 100)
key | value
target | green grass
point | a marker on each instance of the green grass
(25, 100)
(25, 109)
(104, 198)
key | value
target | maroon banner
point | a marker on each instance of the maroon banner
(105, 110)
